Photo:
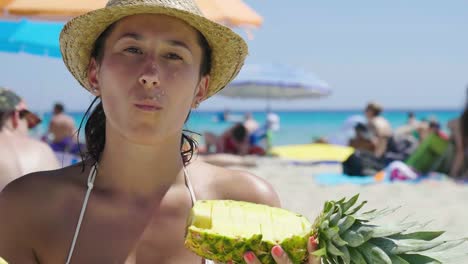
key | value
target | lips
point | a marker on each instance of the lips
(148, 105)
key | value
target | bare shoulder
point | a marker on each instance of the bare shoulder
(223, 183)
(32, 197)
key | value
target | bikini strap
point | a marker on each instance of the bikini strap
(91, 177)
(189, 186)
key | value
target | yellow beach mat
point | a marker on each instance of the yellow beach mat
(313, 152)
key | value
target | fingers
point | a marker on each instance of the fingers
(282, 258)
(311, 247)
(250, 258)
(279, 255)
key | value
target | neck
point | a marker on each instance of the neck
(137, 170)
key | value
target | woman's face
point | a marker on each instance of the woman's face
(149, 78)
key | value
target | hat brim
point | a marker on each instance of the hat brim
(79, 35)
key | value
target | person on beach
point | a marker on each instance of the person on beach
(62, 130)
(148, 62)
(19, 153)
(379, 126)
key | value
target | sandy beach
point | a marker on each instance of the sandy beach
(442, 202)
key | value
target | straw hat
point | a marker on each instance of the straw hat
(78, 36)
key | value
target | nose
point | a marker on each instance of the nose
(150, 78)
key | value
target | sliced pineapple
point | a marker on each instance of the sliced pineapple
(224, 230)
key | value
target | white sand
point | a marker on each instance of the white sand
(443, 202)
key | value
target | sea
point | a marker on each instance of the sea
(296, 127)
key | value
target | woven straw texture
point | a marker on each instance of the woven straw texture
(78, 36)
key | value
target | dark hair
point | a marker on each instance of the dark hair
(95, 128)
(4, 117)
(464, 127)
(239, 132)
(58, 107)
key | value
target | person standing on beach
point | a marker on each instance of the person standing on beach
(379, 126)
(63, 131)
(19, 153)
(148, 62)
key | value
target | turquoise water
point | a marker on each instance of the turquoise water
(297, 127)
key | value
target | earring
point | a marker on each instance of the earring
(94, 90)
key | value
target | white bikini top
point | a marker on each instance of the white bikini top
(91, 178)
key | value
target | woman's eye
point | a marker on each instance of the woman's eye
(173, 56)
(134, 50)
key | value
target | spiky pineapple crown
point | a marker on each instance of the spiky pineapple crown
(346, 236)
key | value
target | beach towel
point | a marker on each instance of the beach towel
(334, 179)
(313, 153)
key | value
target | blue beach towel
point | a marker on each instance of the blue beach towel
(333, 179)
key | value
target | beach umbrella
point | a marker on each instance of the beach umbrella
(32, 37)
(232, 13)
(275, 81)
(50, 9)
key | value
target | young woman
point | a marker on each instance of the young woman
(148, 62)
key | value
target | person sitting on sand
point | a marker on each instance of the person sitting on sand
(19, 153)
(148, 63)
(235, 140)
(363, 139)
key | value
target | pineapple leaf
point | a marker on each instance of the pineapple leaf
(350, 203)
(345, 223)
(423, 235)
(338, 241)
(355, 209)
(320, 252)
(346, 258)
(448, 245)
(419, 259)
(398, 260)
(375, 214)
(405, 245)
(324, 225)
(358, 234)
(384, 231)
(331, 232)
(374, 254)
(336, 217)
(356, 256)
(333, 250)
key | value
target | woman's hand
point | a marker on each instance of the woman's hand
(281, 257)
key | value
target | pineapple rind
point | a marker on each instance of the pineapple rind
(223, 249)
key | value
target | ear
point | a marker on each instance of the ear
(201, 91)
(15, 119)
(93, 77)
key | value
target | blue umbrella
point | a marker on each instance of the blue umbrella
(276, 81)
(32, 37)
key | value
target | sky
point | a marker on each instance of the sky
(402, 54)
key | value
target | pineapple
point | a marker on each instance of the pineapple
(223, 230)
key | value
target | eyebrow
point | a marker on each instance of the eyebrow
(131, 35)
(136, 36)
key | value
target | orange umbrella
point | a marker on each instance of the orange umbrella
(233, 13)
(51, 9)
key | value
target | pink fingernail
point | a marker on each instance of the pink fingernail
(277, 251)
(249, 256)
(313, 242)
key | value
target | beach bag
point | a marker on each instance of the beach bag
(362, 163)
